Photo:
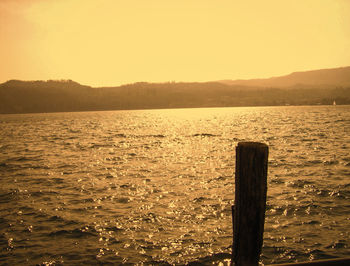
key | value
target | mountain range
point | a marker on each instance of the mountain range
(315, 78)
(300, 88)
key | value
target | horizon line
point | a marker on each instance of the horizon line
(169, 81)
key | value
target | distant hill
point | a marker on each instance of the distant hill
(315, 78)
(300, 88)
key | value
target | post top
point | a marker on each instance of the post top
(251, 144)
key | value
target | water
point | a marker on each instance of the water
(156, 186)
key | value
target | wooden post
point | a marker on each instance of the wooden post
(250, 202)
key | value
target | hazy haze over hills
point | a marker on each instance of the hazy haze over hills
(299, 88)
(322, 77)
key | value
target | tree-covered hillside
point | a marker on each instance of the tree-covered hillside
(66, 96)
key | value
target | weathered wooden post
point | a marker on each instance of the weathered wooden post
(250, 202)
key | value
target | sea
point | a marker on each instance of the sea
(155, 187)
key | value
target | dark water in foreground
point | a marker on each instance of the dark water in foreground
(156, 186)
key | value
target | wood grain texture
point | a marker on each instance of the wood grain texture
(250, 202)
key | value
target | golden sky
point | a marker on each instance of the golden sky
(113, 42)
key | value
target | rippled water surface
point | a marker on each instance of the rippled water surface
(156, 186)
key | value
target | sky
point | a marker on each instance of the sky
(114, 42)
